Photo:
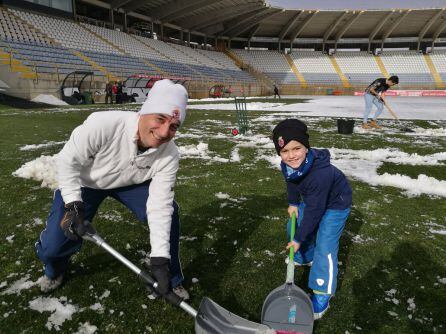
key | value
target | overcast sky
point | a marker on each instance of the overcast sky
(357, 4)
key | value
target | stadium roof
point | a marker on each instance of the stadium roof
(255, 20)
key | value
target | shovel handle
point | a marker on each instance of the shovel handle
(290, 267)
(293, 231)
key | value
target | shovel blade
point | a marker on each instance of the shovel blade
(214, 319)
(288, 309)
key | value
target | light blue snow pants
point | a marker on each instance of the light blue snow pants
(371, 100)
(322, 248)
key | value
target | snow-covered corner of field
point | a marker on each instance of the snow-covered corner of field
(49, 99)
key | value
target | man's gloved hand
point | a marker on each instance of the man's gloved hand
(72, 219)
(160, 271)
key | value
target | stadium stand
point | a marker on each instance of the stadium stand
(69, 34)
(40, 46)
(315, 67)
(409, 66)
(359, 67)
(271, 63)
(36, 51)
(14, 29)
(439, 61)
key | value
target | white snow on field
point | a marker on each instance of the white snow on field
(427, 108)
(442, 232)
(86, 328)
(49, 99)
(41, 169)
(363, 165)
(60, 310)
(221, 195)
(38, 146)
(22, 284)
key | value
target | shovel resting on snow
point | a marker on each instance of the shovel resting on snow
(210, 318)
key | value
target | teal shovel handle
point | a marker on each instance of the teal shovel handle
(290, 267)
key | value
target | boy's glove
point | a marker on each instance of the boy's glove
(73, 219)
(160, 271)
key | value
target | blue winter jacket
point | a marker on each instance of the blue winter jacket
(322, 187)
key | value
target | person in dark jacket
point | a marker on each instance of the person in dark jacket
(276, 92)
(320, 196)
(374, 95)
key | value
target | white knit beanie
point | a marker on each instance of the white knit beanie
(168, 98)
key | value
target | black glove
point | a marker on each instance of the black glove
(72, 220)
(160, 271)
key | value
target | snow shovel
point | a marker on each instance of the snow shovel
(288, 309)
(404, 129)
(210, 318)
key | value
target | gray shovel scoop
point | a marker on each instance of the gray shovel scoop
(210, 318)
(288, 309)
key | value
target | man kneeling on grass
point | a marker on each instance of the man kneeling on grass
(374, 95)
(320, 196)
(130, 157)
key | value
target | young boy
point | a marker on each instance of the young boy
(321, 197)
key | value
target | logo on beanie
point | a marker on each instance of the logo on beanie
(176, 114)
(280, 141)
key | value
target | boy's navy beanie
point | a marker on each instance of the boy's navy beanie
(288, 130)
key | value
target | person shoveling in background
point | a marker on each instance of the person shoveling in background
(374, 95)
(320, 196)
(130, 157)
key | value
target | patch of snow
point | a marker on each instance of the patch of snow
(38, 146)
(221, 195)
(22, 284)
(59, 308)
(86, 328)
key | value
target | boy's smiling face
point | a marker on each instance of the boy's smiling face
(293, 154)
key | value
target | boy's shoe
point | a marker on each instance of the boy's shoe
(298, 264)
(180, 291)
(47, 284)
(374, 125)
(366, 126)
(321, 303)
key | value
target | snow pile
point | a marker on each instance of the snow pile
(49, 99)
(41, 169)
(60, 310)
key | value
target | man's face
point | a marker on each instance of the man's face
(293, 154)
(390, 83)
(156, 129)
